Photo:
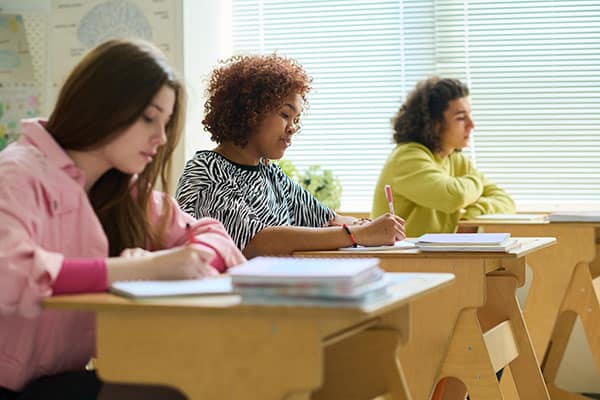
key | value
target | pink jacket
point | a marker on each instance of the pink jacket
(45, 216)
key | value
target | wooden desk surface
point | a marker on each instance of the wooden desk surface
(217, 347)
(400, 294)
(528, 245)
(476, 222)
(449, 320)
(562, 288)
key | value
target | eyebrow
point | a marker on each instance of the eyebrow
(159, 108)
(291, 106)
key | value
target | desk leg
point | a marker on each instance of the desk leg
(583, 300)
(502, 305)
(363, 367)
(552, 268)
(468, 361)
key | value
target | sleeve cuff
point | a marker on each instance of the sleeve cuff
(81, 276)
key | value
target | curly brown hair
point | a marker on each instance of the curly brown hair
(243, 89)
(422, 114)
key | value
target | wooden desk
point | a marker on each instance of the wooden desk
(565, 284)
(217, 348)
(471, 329)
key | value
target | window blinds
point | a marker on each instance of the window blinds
(534, 72)
(533, 68)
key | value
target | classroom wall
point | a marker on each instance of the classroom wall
(205, 38)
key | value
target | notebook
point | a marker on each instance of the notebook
(468, 242)
(575, 216)
(399, 245)
(359, 292)
(512, 217)
(190, 287)
(462, 238)
(289, 270)
(370, 297)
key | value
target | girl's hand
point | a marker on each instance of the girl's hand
(385, 230)
(361, 221)
(135, 252)
(185, 262)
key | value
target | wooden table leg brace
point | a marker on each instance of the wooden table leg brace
(583, 300)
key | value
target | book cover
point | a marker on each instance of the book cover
(477, 239)
(575, 216)
(289, 270)
(512, 217)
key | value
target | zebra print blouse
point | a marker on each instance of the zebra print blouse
(246, 199)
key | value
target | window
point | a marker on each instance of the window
(533, 68)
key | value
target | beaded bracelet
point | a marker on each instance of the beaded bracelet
(354, 244)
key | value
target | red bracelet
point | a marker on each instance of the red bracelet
(354, 244)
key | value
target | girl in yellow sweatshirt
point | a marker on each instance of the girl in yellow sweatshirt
(433, 184)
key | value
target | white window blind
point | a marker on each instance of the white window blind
(363, 56)
(533, 68)
(534, 72)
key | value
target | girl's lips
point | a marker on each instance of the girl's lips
(148, 156)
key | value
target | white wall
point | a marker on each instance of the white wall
(206, 33)
(207, 39)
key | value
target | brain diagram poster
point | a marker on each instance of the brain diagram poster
(18, 95)
(77, 26)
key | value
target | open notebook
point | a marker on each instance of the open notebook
(399, 245)
(190, 287)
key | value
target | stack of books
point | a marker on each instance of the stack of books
(513, 217)
(575, 216)
(310, 281)
(480, 242)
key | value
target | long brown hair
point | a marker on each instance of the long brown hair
(422, 114)
(104, 94)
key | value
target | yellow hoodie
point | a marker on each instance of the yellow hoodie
(432, 193)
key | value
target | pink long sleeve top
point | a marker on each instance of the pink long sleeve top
(45, 218)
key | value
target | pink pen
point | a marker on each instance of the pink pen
(388, 196)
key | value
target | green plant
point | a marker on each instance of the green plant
(288, 168)
(321, 183)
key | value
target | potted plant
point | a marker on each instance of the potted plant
(321, 183)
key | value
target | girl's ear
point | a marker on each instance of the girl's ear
(437, 127)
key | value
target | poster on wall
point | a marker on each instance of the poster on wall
(15, 60)
(16, 103)
(77, 26)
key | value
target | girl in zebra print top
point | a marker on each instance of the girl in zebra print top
(253, 110)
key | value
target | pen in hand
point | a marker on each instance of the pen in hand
(190, 234)
(390, 200)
